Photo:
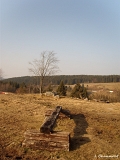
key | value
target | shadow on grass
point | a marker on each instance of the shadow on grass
(81, 125)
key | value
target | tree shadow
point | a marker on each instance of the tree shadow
(80, 129)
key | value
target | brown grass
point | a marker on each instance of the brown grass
(94, 127)
(101, 91)
(109, 86)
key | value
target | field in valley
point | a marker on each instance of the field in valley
(94, 127)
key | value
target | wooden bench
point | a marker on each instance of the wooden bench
(47, 138)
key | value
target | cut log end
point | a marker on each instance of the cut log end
(52, 142)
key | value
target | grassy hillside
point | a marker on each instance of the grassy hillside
(106, 86)
(94, 127)
(109, 92)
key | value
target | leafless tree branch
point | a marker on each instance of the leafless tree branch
(45, 66)
(1, 74)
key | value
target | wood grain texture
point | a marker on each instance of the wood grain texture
(52, 142)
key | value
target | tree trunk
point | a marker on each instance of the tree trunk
(41, 85)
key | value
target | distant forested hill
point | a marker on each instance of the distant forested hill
(68, 79)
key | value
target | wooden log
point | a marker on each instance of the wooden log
(47, 126)
(51, 142)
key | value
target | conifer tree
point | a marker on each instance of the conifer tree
(79, 91)
(61, 89)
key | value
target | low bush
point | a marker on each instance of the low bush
(79, 91)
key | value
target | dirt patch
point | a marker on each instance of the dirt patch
(94, 127)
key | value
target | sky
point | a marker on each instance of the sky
(84, 34)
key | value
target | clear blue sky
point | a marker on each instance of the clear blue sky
(85, 34)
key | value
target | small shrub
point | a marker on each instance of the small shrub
(79, 91)
(61, 90)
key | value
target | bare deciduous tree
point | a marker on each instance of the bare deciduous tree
(45, 66)
(1, 74)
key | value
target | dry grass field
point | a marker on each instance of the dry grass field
(94, 127)
(104, 91)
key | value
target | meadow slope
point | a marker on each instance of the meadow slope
(94, 127)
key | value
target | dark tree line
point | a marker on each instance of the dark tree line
(68, 79)
(29, 84)
(78, 91)
(13, 87)
(9, 86)
(60, 85)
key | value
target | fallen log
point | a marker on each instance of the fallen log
(46, 138)
(47, 126)
(51, 142)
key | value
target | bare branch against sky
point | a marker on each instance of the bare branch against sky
(47, 65)
(1, 74)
